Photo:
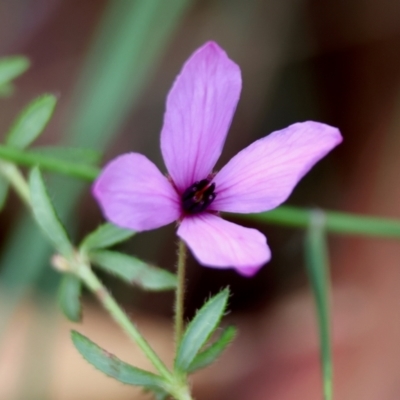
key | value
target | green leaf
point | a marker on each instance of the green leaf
(133, 271)
(104, 236)
(157, 393)
(212, 352)
(113, 366)
(31, 121)
(11, 67)
(46, 216)
(160, 395)
(69, 297)
(200, 329)
(3, 192)
(317, 262)
(68, 154)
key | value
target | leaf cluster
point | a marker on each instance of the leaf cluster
(194, 351)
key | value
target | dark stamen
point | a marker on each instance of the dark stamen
(198, 197)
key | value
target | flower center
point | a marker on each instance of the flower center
(198, 197)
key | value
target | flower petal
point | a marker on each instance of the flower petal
(199, 111)
(221, 244)
(263, 175)
(134, 194)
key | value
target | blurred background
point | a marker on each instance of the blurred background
(112, 63)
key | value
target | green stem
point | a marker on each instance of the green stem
(317, 262)
(182, 393)
(335, 222)
(50, 163)
(180, 292)
(120, 317)
(13, 175)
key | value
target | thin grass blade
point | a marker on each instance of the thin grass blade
(336, 221)
(317, 262)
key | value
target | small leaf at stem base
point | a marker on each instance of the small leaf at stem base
(200, 329)
(212, 352)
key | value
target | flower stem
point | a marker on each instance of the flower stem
(13, 175)
(180, 292)
(179, 391)
(120, 317)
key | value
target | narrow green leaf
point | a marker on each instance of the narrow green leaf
(133, 271)
(104, 236)
(200, 329)
(11, 67)
(160, 395)
(46, 216)
(69, 297)
(212, 352)
(68, 154)
(31, 121)
(113, 366)
(3, 192)
(317, 262)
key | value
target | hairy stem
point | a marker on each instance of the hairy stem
(13, 175)
(120, 317)
(180, 292)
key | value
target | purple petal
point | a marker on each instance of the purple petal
(200, 107)
(134, 194)
(221, 244)
(263, 175)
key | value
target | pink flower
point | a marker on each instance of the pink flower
(134, 194)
